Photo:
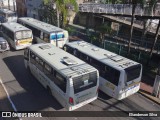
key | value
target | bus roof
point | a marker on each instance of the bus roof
(106, 57)
(14, 27)
(6, 11)
(40, 25)
(65, 63)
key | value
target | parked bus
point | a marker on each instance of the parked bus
(18, 36)
(71, 81)
(119, 76)
(44, 32)
(7, 15)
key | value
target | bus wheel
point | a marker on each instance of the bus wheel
(49, 91)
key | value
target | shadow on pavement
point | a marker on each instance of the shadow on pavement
(103, 96)
(29, 94)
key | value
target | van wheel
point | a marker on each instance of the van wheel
(49, 91)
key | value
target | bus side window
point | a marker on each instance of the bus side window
(102, 71)
(60, 81)
(32, 58)
(76, 53)
(112, 75)
(70, 50)
(46, 37)
(95, 63)
(47, 69)
(9, 33)
(83, 57)
(39, 63)
(49, 72)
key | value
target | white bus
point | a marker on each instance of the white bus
(119, 76)
(71, 81)
(18, 36)
(44, 32)
(7, 15)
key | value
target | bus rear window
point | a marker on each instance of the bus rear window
(84, 82)
(23, 34)
(133, 72)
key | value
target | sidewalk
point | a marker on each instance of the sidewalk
(146, 90)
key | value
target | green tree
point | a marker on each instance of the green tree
(134, 4)
(150, 11)
(62, 10)
(103, 29)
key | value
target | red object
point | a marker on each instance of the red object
(71, 101)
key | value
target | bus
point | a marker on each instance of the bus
(44, 32)
(18, 36)
(119, 76)
(71, 81)
(7, 15)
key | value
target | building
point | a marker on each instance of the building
(9, 4)
(33, 7)
(21, 8)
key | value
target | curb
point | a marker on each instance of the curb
(150, 97)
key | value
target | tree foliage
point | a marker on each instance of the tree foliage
(61, 6)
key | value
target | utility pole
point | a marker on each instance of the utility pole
(14, 7)
(57, 12)
(9, 4)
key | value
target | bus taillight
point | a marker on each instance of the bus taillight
(71, 101)
(17, 42)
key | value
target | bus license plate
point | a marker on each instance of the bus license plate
(109, 85)
(24, 41)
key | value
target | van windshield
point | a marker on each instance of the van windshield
(84, 82)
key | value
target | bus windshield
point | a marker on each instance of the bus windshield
(55, 36)
(84, 82)
(133, 72)
(23, 34)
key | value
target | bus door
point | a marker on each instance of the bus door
(53, 39)
(57, 39)
(60, 88)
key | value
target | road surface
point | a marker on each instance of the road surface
(27, 94)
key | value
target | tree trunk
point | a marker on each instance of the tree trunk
(57, 17)
(146, 24)
(155, 40)
(131, 30)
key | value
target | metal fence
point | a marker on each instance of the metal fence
(122, 9)
(118, 9)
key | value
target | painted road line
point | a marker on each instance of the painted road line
(8, 96)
